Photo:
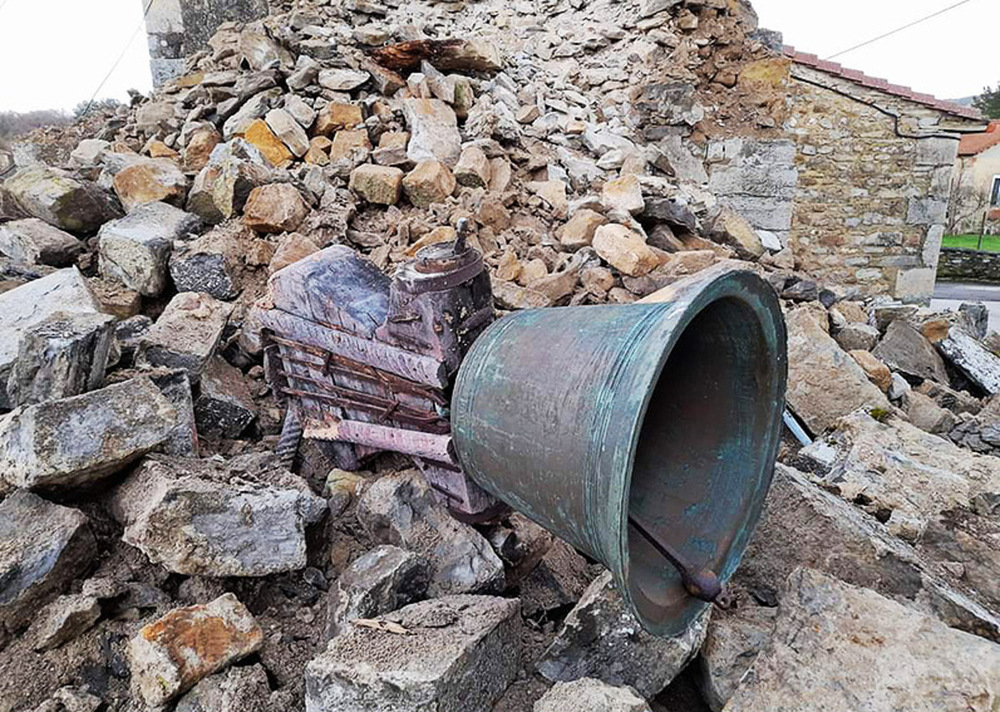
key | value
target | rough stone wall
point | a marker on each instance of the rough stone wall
(858, 185)
(970, 194)
(176, 29)
(968, 265)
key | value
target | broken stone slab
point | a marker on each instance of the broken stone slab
(447, 55)
(623, 194)
(824, 382)
(473, 168)
(59, 199)
(924, 413)
(601, 639)
(260, 135)
(45, 548)
(34, 241)
(836, 647)
(221, 188)
(238, 688)
(214, 263)
(135, 249)
(191, 517)
(63, 620)
(21, 308)
(169, 656)
(559, 580)
(730, 228)
(149, 181)
(277, 207)
(579, 231)
(904, 349)
(379, 185)
(186, 334)
(590, 695)
(449, 654)
(63, 356)
(224, 407)
(289, 130)
(380, 581)
(733, 642)
(75, 441)
(428, 183)
(972, 358)
(625, 250)
(402, 509)
(857, 337)
(433, 129)
(342, 79)
(511, 296)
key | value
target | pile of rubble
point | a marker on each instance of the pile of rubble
(156, 553)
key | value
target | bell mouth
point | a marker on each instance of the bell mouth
(705, 448)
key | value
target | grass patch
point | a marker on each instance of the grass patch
(991, 243)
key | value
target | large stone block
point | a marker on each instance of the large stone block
(149, 181)
(45, 547)
(457, 654)
(186, 334)
(839, 648)
(221, 188)
(906, 350)
(185, 515)
(59, 199)
(433, 130)
(135, 250)
(36, 242)
(75, 441)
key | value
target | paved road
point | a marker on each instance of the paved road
(949, 295)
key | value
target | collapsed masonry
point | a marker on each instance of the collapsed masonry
(157, 553)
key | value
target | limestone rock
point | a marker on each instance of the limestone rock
(625, 250)
(62, 356)
(924, 413)
(149, 181)
(380, 581)
(291, 248)
(377, 184)
(221, 188)
(64, 619)
(428, 183)
(824, 383)
(258, 134)
(734, 639)
(225, 407)
(473, 168)
(579, 231)
(198, 150)
(553, 192)
(402, 510)
(973, 359)
(623, 194)
(214, 263)
(460, 653)
(169, 656)
(65, 291)
(857, 337)
(338, 115)
(559, 579)
(510, 296)
(239, 688)
(75, 441)
(433, 131)
(601, 639)
(730, 228)
(154, 116)
(36, 242)
(351, 146)
(591, 695)
(836, 647)
(189, 517)
(251, 110)
(135, 249)
(877, 372)
(261, 52)
(286, 128)
(342, 79)
(59, 199)
(46, 546)
(906, 350)
(277, 207)
(186, 334)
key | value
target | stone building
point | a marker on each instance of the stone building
(176, 29)
(976, 185)
(855, 177)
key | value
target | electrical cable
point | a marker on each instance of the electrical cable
(899, 29)
(117, 61)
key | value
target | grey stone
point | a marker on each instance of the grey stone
(433, 131)
(186, 334)
(459, 654)
(676, 159)
(45, 547)
(62, 620)
(154, 116)
(237, 689)
(59, 199)
(64, 355)
(135, 250)
(75, 441)
(559, 580)
(252, 109)
(378, 582)
(924, 413)
(934, 151)
(926, 211)
(225, 407)
(601, 639)
(590, 695)
(734, 639)
(403, 510)
(824, 382)
(213, 263)
(89, 152)
(836, 647)
(342, 79)
(36, 242)
(261, 52)
(905, 349)
(221, 188)
(64, 291)
(287, 128)
(972, 358)
(191, 517)
(857, 337)
(898, 388)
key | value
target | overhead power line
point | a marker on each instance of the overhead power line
(120, 57)
(899, 29)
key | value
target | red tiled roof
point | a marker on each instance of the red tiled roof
(950, 107)
(972, 144)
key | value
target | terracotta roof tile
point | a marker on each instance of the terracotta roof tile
(972, 144)
(811, 60)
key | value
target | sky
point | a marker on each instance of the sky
(55, 53)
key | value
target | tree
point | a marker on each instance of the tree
(99, 106)
(989, 102)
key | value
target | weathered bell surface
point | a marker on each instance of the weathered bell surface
(667, 415)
